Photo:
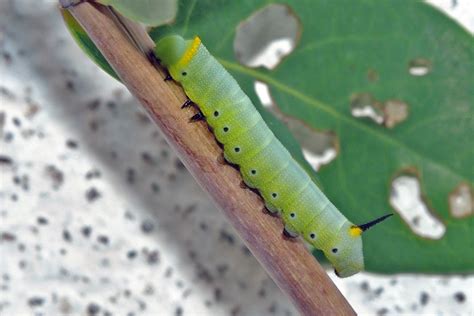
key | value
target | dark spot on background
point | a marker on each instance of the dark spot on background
(148, 158)
(56, 176)
(93, 309)
(155, 187)
(179, 165)
(86, 231)
(147, 226)
(72, 144)
(92, 194)
(153, 257)
(226, 236)
(132, 254)
(35, 301)
(70, 85)
(67, 236)
(460, 297)
(217, 294)
(203, 226)
(424, 298)
(5, 236)
(364, 286)
(16, 122)
(5, 160)
(93, 174)
(42, 220)
(130, 175)
(103, 239)
(189, 210)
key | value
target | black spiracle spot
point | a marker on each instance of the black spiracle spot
(253, 171)
(237, 149)
(225, 129)
(274, 195)
(292, 215)
(184, 73)
(334, 250)
(312, 236)
(216, 113)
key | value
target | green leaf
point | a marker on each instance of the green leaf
(149, 12)
(86, 44)
(350, 48)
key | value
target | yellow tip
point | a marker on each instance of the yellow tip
(190, 52)
(355, 231)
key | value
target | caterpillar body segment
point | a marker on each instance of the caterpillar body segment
(265, 164)
(260, 173)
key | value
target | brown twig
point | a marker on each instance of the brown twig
(289, 263)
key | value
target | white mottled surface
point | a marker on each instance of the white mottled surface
(97, 216)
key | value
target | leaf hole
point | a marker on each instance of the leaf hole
(461, 201)
(395, 112)
(419, 67)
(267, 36)
(389, 113)
(406, 198)
(364, 105)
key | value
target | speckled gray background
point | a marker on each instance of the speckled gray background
(98, 216)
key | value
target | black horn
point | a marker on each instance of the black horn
(366, 226)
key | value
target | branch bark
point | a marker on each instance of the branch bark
(289, 263)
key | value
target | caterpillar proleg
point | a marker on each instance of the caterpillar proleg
(265, 164)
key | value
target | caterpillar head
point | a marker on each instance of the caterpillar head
(170, 49)
(345, 251)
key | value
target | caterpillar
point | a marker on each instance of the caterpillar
(264, 163)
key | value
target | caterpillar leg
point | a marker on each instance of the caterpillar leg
(221, 160)
(187, 103)
(267, 211)
(271, 207)
(153, 59)
(248, 184)
(288, 233)
(197, 117)
(273, 211)
(168, 77)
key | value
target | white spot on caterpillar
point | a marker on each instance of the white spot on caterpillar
(406, 199)
(461, 201)
(267, 36)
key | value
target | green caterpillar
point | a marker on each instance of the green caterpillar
(265, 164)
